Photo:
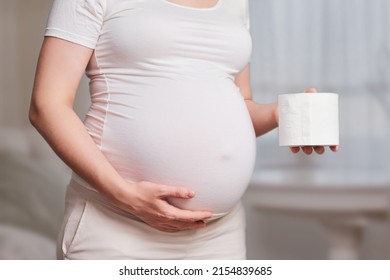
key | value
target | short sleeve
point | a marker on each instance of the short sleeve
(78, 21)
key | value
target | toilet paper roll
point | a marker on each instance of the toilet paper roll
(308, 119)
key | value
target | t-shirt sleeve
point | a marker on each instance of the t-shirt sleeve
(77, 21)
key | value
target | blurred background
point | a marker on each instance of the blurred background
(298, 207)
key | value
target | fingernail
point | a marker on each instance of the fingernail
(190, 193)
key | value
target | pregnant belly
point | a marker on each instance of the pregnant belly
(198, 136)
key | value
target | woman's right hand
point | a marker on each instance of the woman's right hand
(148, 201)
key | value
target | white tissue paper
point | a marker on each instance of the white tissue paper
(308, 119)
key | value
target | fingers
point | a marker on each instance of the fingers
(334, 148)
(295, 149)
(311, 90)
(180, 214)
(177, 227)
(177, 192)
(148, 201)
(319, 149)
(173, 219)
(309, 149)
(187, 215)
(173, 224)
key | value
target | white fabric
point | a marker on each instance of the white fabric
(165, 107)
(91, 230)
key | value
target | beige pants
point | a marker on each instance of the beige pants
(92, 229)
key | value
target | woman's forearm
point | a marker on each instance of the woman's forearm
(61, 65)
(264, 116)
(65, 133)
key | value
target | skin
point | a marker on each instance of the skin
(60, 67)
(195, 3)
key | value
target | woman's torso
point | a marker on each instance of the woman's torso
(165, 107)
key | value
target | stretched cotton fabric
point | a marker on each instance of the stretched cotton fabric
(94, 230)
(165, 107)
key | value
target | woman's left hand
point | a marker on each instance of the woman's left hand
(309, 149)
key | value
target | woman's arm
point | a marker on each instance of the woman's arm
(265, 117)
(61, 66)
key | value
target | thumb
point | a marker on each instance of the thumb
(311, 90)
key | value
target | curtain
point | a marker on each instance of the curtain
(340, 46)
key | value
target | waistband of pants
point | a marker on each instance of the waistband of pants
(92, 195)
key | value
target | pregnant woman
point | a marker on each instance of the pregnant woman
(167, 147)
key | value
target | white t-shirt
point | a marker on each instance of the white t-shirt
(165, 107)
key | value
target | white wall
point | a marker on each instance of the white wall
(22, 25)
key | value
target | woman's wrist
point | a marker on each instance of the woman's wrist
(117, 190)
